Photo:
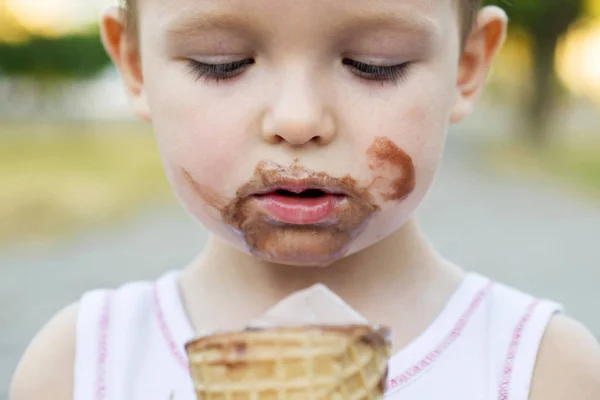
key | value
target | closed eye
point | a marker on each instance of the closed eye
(218, 72)
(224, 71)
(378, 73)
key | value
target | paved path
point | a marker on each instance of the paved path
(536, 237)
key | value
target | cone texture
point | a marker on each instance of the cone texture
(291, 363)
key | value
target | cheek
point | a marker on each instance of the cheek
(195, 130)
(421, 125)
(414, 115)
(425, 123)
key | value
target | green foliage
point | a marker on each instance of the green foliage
(75, 56)
(545, 21)
(538, 17)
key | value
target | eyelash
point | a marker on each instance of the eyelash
(376, 73)
(218, 72)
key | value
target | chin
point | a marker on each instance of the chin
(300, 248)
(299, 260)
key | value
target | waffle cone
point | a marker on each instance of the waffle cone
(314, 362)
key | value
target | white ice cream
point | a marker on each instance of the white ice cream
(317, 305)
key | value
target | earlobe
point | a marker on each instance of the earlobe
(460, 110)
(140, 106)
(123, 50)
(480, 49)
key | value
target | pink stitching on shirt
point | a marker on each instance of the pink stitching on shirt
(512, 351)
(103, 348)
(412, 372)
(181, 359)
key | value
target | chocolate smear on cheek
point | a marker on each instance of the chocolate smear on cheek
(312, 244)
(210, 196)
(298, 244)
(396, 178)
(285, 243)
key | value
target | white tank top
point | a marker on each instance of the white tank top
(483, 345)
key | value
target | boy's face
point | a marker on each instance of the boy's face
(301, 131)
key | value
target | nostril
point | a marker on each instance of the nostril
(296, 140)
(276, 139)
(297, 127)
(318, 140)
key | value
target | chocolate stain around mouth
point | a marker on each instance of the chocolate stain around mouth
(394, 179)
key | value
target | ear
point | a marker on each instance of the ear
(480, 49)
(124, 51)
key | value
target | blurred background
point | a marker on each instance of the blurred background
(84, 202)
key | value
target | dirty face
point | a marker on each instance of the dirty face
(300, 131)
(283, 210)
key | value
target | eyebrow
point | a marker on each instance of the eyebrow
(200, 23)
(408, 21)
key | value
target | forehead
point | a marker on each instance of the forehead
(421, 16)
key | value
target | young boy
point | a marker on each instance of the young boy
(304, 135)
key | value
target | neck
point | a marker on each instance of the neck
(397, 269)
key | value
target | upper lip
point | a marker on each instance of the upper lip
(271, 177)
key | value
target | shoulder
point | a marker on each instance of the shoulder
(60, 361)
(568, 363)
(46, 369)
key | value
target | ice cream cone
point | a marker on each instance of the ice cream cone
(311, 362)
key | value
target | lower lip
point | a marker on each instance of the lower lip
(301, 211)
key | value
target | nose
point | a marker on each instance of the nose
(298, 115)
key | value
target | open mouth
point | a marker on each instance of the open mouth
(305, 194)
